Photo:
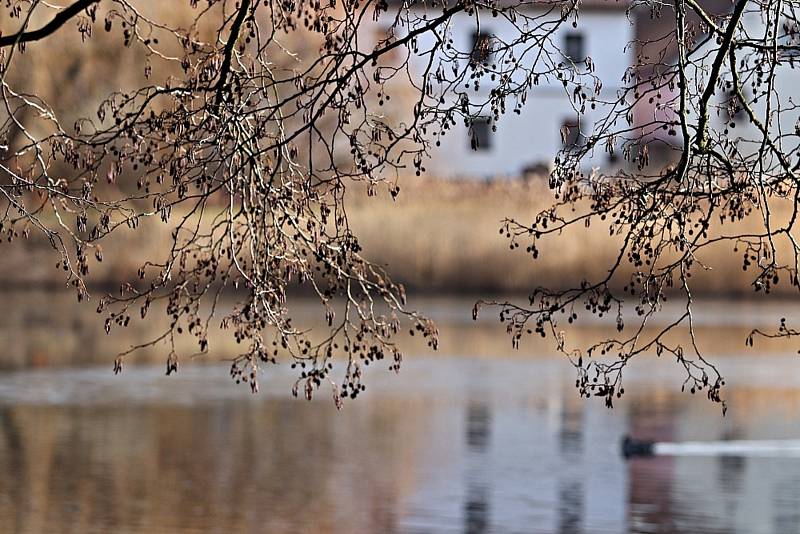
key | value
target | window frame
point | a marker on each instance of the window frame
(575, 138)
(570, 38)
(479, 53)
(484, 131)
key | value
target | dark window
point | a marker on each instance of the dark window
(574, 47)
(480, 134)
(571, 137)
(735, 110)
(482, 44)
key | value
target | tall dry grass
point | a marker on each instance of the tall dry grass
(439, 236)
(443, 236)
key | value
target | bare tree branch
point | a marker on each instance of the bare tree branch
(48, 29)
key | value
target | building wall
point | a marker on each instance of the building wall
(784, 98)
(532, 137)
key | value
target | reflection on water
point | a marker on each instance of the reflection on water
(459, 443)
(570, 485)
(43, 329)
(452, 445)
(476, 504)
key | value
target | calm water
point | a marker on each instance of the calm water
(458, 442)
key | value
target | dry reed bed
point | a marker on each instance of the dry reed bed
(443, 236)
(439, 237)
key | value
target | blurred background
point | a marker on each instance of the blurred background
(476, 437)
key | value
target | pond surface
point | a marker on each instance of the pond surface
(458, 442)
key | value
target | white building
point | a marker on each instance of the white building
(728, 122)
(598, 44)
(729, 126)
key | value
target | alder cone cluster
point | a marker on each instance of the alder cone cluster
(242, 124)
